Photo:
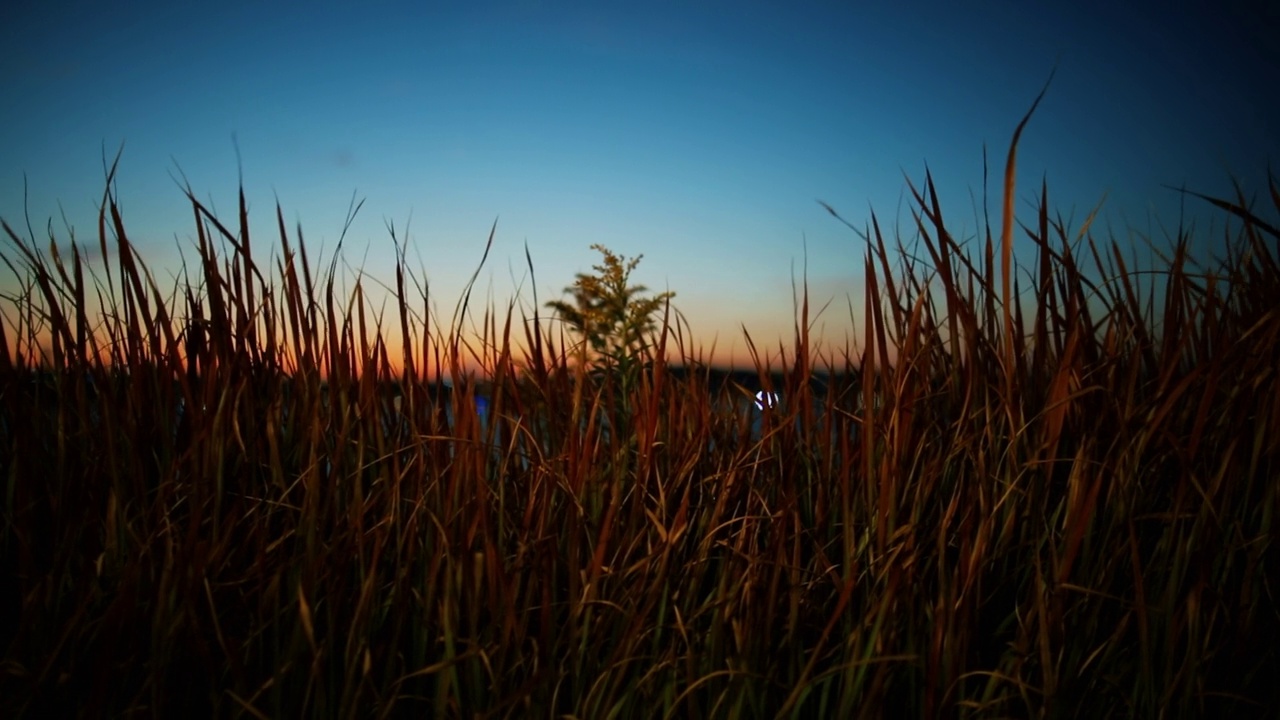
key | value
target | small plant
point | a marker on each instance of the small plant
(611, 317)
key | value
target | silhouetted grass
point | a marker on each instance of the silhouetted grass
(987, 511)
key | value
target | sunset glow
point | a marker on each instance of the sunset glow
(701, 136)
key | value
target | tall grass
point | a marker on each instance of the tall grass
(1058, 508)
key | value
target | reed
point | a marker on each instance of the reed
(1059, 508)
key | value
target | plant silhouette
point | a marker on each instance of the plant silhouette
(612, 318)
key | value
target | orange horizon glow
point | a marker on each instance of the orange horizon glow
(371, 333)
(36, 350)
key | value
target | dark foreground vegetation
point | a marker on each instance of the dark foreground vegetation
(1062, 507)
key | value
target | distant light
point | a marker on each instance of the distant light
(766, 399)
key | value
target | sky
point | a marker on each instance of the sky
(700, 135)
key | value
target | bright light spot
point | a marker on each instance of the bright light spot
(766, 399)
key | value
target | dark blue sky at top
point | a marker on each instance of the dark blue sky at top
(698, 134)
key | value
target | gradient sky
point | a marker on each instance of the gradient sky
(699, 134)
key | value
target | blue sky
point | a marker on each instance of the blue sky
(698, 134)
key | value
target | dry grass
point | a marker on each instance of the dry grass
(1067, 511)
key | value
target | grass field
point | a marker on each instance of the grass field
(1058, 508)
